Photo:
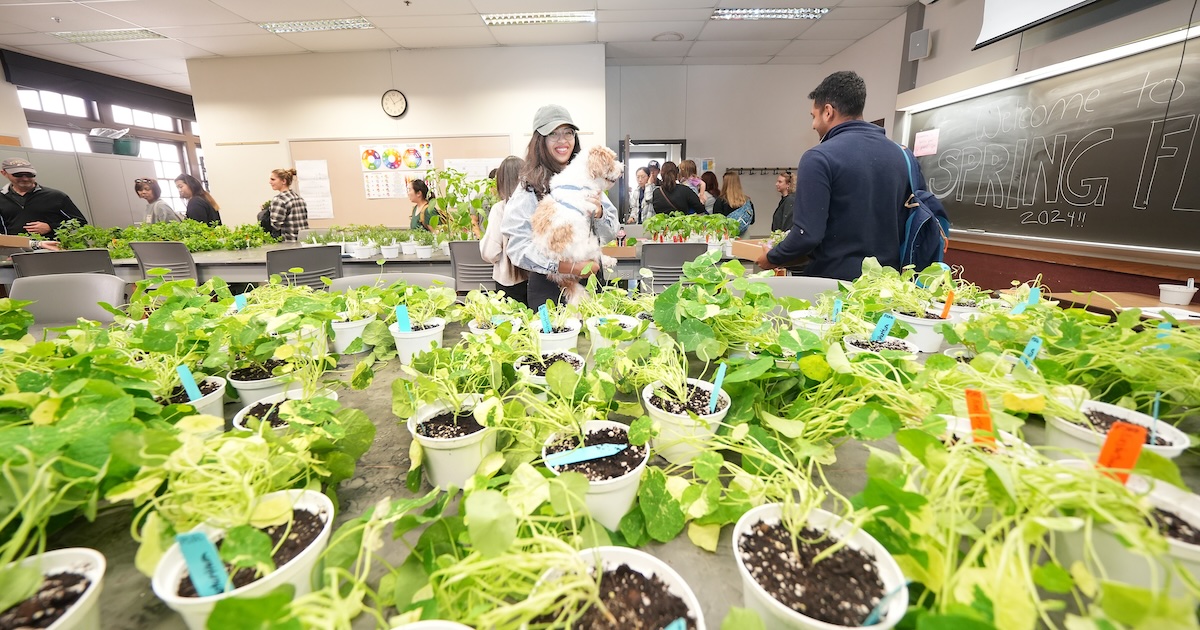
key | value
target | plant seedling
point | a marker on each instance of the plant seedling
(205, 569)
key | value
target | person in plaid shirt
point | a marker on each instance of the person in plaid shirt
(288, 213)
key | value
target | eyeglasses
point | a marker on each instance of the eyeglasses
(562, 134)
(142, 181)
(23, 175)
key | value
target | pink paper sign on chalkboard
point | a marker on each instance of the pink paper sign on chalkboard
(925, 143)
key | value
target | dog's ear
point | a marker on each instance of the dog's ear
(600, 161)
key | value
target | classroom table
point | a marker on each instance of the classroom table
(1113, 302)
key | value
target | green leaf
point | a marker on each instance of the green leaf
(491, 522)
(873, 421)
(933, 621)
(1125, 604)
(567, 493)
(1053, 578)
(750, 371)
(633, 528)
(707, 465)
(815, 367)
(742, 619)
(250, 613)
(918, 443)
(641, 431)
(246, 546)
(561, 379)
(692, 333)
(1155, 466)
(664, 516)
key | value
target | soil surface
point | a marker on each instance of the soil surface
(925, 315)
(633, 601)
(255, 372)
(1103, 423)
(179, 394)
(697, 403)
(646, 317)
(305, 527)
(56, 596)
(841, 589)
(266, 412)
(420, 327)
(603, 468)
(554, 330)
(876, 346)
(1172, 526)
(539, 368)
(447, 425)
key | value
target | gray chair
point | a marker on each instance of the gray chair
(665, 261)
(471, 271)
(69, 261)
(316, 262)
(61, 298)
(171, 255)
(803, 287)
(388, 279)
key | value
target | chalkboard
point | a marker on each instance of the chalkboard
(1104, 154)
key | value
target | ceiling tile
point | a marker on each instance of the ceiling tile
(154, 13)
(875, 3)
(864, 13)
(73, 53)
(779, 60)
(72, 17)
(472, 37)
(151, 49)
(843, 29)
(340, 41)
(288, 10)
(123, 68)
(724, 61)
(169, 81)
(639, 5)
(752, 30)
(245, 45)
(412, 8)
(815, 47)
(776, 4)
(646, 49)
(28, 39)
(533, 35)
(173, 65)
(645, 61)
(645, 31)
(532, 6)
(427, 21)
(211, 30)
(655, 15)
(736, 49)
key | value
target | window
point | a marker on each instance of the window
(59, 140)
(168, 164)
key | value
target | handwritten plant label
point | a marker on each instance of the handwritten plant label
(239, 301)
(837, 309)
(1031, 351)
(716, 391)
(1164, 330)
(1020, 308)
(189, 383)
(545, 314)
(403, 323)
(1035, 296)
(584, 454)
(883, 327)
(205, 568)
(981, 418)
(949, 303)
(1121, 449)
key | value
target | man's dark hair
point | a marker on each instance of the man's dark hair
(845, 90)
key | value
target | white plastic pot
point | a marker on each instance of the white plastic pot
(1063, 434)
(389, 251)
(957, 313)
(1006, 442)
(680, 438)
(298, 572)
(610, 499)
(84, 614)
(852, 349)
(424, 251)
(476, 329)
(446, 248)
(410, 344)
(212, 404)
(540, 380)
(555, 342)
(1179, 294)
(924, 337)
(810, 319)
(451, 462)
(776, 615)
(609, 558)
(250, 392)
(408, 248)
(344, 333)
(600, 341)
(239, 419)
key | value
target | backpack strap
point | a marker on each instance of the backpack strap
(912, 184)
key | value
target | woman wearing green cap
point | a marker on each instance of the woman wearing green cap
(553, 145)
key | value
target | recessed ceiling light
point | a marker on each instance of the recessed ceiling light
(769, 14)
(547, 17)
(115, 35)
(669, 36)
(309, 26)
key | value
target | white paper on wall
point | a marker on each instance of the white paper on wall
(312, 183)
(475, 168)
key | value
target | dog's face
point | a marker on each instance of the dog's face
(604, 167)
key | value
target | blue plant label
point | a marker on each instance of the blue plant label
(205, 568)
(239, 301)
(1035, 295)
(403, 324)
(716, 391)
(886, 321)
(189, 383)
(498, 319)
(837, 309)
(944, 266)
(632, 286)
(1164, 329)
(678, 624)
(1157, 402)
(1031, 351)
(545, 315)
(584, 454)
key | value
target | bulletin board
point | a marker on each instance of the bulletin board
(343, 157)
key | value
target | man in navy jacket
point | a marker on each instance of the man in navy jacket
(850, 189)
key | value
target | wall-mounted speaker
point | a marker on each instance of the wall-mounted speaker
(918, 44)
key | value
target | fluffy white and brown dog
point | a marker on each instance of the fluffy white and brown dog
(562, 223)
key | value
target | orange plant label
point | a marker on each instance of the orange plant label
(1121, 449)
(981, 418)
(949, 303)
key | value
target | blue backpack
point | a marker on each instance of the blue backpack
(927, 230)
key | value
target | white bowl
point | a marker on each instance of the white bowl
(1064, 434)
(1178, 294)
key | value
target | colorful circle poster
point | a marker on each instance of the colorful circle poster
(408, 156)
(371, 159)
(391, 158)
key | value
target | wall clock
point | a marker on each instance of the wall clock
(394, 103)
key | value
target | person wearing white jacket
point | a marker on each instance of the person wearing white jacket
(493, 245)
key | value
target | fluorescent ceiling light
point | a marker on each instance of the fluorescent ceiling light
(769, 14)
(309, 26)
(546, 17)
(115, 35)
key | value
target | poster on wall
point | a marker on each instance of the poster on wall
(475, 168)
(410, 156)
(389, 185)
(708, 164)
(312, 177)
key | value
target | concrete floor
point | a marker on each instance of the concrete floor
(129, 604)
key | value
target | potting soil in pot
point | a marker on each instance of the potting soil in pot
(632, 601)
(447, 425)
(556, 330)
(179, 395)
(257, 373)
(925, 315)
(303, 530)
(646, 317)
(698, 401)
(876, 346)
(56, 596)
(842, 589)
(266, 412)
(1171, 526)
(420, 327)
(601, 468)
(539, 368)
(1103, 423)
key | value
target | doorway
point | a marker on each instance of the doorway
(638, 153)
